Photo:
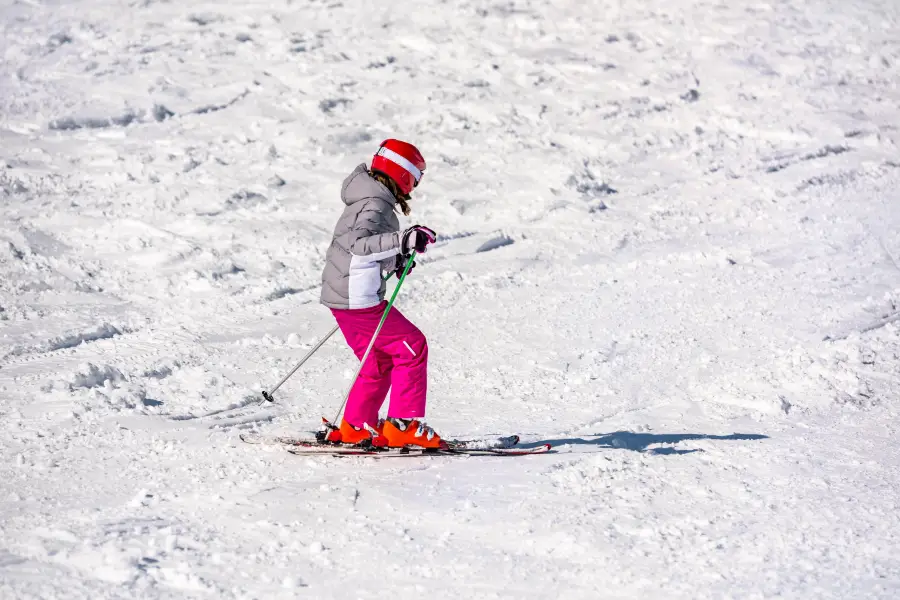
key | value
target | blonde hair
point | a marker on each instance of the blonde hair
(402, 199)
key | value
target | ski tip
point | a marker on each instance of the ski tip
(541, 449)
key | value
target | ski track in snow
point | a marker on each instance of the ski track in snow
(669, 245)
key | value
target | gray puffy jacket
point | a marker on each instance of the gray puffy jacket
(366, 239)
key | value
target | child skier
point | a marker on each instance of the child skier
(368, 241)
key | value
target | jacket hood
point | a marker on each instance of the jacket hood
(359, 185)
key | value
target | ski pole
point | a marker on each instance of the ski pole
(375, 335)
(268, 395)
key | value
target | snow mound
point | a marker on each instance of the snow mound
(93, 376)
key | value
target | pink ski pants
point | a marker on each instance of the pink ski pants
(398, 361)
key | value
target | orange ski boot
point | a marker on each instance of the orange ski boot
(352, 435)
(410, 432)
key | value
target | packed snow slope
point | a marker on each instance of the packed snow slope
(669, 245)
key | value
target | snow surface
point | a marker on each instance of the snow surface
(670, 246)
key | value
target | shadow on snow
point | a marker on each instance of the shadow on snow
(641, 442)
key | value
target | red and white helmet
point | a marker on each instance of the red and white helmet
(400, 161)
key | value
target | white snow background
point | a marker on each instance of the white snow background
(669, 245)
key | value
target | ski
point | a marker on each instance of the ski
(342, 451)
(499, 443)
